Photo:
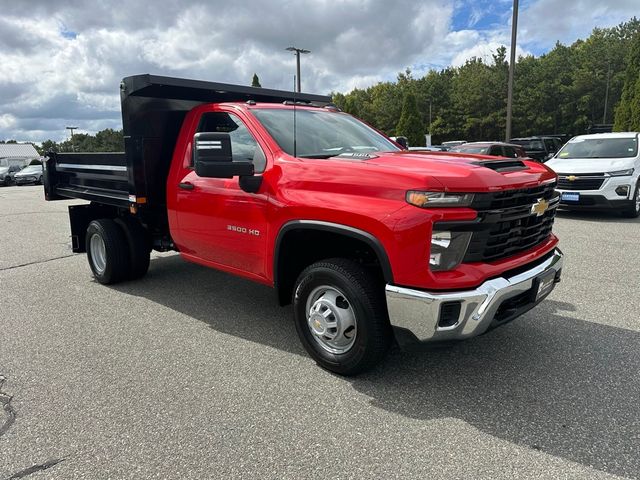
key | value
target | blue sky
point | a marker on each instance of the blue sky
(62, 61)
(481, 14)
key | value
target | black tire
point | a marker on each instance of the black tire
(633, 211)
(139, 247)
(116, 251)
(364, 295)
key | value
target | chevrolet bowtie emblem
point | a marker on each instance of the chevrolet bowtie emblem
(540, 207)
(572, 178)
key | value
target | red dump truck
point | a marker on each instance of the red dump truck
(368, 241)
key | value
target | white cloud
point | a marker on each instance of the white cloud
(61, 62)
(543, 22)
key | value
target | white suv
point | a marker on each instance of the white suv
(600, 171)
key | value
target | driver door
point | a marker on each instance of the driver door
(220, 222)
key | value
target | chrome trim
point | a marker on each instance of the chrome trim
(418, 311)
(115, 168)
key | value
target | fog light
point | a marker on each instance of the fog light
(448, 249)
(623, 190)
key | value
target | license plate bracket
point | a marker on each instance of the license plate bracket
(570, 196)
(543, 284)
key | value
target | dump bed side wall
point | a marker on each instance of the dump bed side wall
(97, 177)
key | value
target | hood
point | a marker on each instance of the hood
(391, 174)
(460, 172)
(28, 173)
(590, 165)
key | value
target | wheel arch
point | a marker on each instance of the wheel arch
(285, 274)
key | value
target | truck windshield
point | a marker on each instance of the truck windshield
(321, 133)
(600, 148)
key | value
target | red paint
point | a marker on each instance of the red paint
(368, 195)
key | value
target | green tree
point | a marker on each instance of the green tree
(110, 140)
(255, 82)
(48, 146)
(410, 123)
(627, 115)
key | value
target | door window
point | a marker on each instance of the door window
(510, 152)
(495, 150)
(244, 146)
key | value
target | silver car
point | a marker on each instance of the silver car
(7, 173)
(30, 174)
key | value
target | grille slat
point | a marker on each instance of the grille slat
(511, 228)
(580, 183)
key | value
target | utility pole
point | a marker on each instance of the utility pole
(298, 52)
(512, 67)
(73, 147)
(606, 95)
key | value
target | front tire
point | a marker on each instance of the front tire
(341, 316)
(107, 251)
(633, 211)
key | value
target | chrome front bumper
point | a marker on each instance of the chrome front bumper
(419, 311)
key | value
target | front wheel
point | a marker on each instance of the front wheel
(633, 210)
(341, 317)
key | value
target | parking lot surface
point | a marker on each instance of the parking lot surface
(192, 373)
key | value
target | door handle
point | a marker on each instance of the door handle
(186, 185)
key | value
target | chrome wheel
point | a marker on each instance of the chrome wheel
(331, 319)
(637, 199)
(98, 253)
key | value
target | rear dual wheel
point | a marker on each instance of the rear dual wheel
(117, 250)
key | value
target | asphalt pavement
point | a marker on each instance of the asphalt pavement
(192, 373)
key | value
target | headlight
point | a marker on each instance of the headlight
(622, 173)
(438, 199)
(448, 249)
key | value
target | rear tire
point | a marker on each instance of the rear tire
(341, 316)
(139, 248)
(633, 211)
(107, 251)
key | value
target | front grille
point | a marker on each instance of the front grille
(506, 225)
(592, 181)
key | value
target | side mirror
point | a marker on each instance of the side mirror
(212, 157)
(402, 141)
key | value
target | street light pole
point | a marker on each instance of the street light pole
(72, 129)
(512, 67)
(298, 52)
(606, 95)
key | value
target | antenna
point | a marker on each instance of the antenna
(295, 147)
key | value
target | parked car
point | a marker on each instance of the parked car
(431, 148)
(453, 143)
(358, 234)
(600, 171)
(538, 148)
(30, 174)
(496, 149)
(442, 148)
(7, 174)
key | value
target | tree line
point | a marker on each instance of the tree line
(564, 91)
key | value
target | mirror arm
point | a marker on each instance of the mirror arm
(250, 184)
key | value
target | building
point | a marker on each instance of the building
(17, 154)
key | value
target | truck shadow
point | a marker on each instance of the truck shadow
(548, 381)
